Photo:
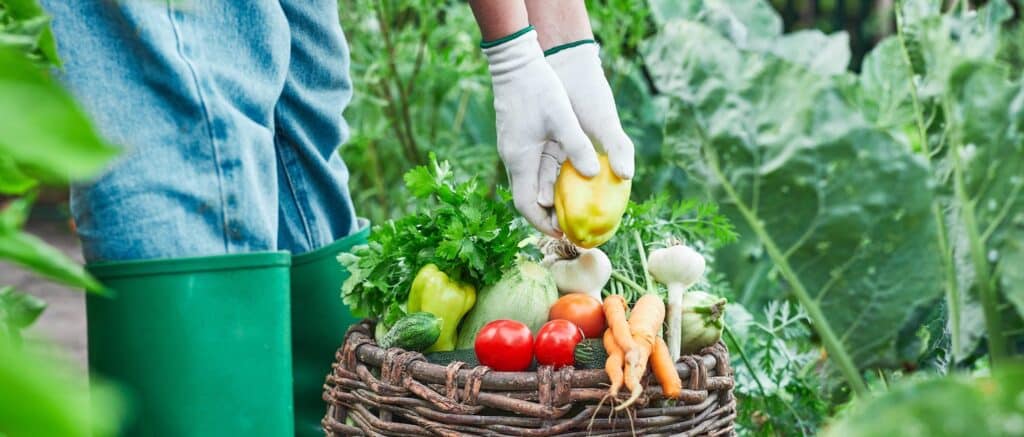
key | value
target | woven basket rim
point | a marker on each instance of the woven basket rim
(371, 353)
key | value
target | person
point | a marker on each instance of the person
(218, 227)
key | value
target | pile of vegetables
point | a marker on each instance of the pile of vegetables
(459, 278)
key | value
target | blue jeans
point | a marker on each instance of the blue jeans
(229, 114)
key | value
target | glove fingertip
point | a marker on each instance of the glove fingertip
(587, 166)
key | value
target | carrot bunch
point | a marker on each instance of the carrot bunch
(634, 343)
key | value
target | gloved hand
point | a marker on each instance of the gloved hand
(536, 127)
(579, 68)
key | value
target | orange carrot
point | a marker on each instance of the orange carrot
(665, 370)
(613, 365)
(644, 325)
(615, 315)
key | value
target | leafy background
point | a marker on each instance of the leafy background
(834, 141)
(869, 154)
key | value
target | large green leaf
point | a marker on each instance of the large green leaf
(838, 197)
(19, 310)
(38, 398)
(12, 179)
(883, 93)
(33, 24)
(946, 406)
(748, 23)
(27, 250)
(41, 127)
(821, 53)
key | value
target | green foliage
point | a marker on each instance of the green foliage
(17, 311)
(771, 136)
(25, 27)
(468, 233)
(421, 86)
(955, 406)
(659, 222)
(27, 250)
(44, 138)
(780, 391)
(38, 398)
(67, 133)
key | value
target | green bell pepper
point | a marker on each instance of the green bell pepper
(434, 292)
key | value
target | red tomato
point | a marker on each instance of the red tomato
(504, 345)
(556, 343)
(581, 309)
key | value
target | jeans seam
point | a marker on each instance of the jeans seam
(279, 146)
(207, 121)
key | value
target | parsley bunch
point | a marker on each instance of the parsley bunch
(470, 234)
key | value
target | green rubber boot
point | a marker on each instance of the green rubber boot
(201, 346)
(319, 322)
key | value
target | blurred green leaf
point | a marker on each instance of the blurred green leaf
(821, 53)
(44, 131)
(33, 24)
(947, 406)
(19, 310)
(29, 251)
(12, 180)
(40, 399)
(34, 254)
(15, 213)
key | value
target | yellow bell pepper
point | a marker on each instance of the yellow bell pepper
(589, 210)
(434, 292)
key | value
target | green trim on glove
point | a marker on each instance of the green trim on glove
(570, 45)
(502, 40)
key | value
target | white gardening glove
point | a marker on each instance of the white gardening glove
(536, 127)
(579, 68)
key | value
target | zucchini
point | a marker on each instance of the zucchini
(590, 354)
(415, 332)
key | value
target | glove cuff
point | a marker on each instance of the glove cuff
(570, 45)
(505, 39)
(513, 52)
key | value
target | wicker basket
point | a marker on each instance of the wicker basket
(398, 393)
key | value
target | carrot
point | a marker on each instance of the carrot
(644, 325)
(613, 365)
(615, 316)
(665, 370)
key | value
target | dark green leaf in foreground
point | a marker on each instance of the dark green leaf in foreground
(44, 131)
(27, 250)
(941, 406)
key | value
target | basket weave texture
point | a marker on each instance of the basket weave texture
(399, 393)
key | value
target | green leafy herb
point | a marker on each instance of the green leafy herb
(656, 222)
(470, 234)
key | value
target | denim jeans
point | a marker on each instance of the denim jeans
(229, 114)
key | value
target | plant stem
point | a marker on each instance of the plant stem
(952, 290)
(643, 262)
(746, 361)
(987, 293)
(628, 282)
(837, 352)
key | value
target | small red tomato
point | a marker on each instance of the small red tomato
(504, 345)
(581, 309)
(556, 343)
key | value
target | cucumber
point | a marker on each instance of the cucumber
(590, 354)
(415, 332)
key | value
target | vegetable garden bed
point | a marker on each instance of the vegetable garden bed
(373, 391)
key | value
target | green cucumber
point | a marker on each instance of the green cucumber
(415, 332)
(590, 354)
